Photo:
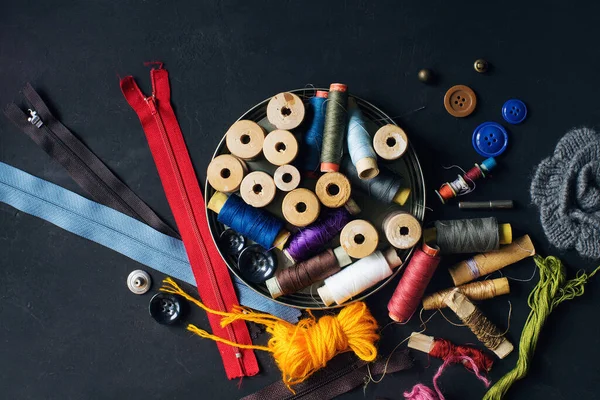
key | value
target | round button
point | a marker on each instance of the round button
(139, 281)
(166, 308)
(231, 242)
(460, 101)
(490, 139)
(514, 111)
(257, 264)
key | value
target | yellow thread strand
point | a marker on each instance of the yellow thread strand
(204, 334)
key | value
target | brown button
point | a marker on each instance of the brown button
(460, 101)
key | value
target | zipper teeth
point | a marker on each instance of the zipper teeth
(333, 377)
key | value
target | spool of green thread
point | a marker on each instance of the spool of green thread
(336, 119)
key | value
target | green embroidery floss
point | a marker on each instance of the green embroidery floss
(551, 290)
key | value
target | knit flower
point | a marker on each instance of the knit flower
(566, 188)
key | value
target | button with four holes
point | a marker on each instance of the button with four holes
(490, 139)
(460, 101)
(257, 264)
(514, 111)
(166, 308)
(231, 242)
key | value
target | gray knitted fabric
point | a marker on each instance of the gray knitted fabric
(566, 188)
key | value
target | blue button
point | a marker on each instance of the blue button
(490, 139)
(514, 111)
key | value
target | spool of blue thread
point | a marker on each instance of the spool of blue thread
(488, 165)
(310, 151)
(360, 143)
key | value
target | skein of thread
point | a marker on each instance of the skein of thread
(443, 349)
(474, 235)
(313, 238)
(386, 187)
(466, 183)
(483, 328)
(475, 291)
(360, 276)
(334, 129)
(360, 144)
(310, 153)
(486, 263)
(412, 285)
(253, 223)
(302, 275)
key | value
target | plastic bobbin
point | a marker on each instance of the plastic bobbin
(285, 110)
(401, 229)
(280, 147)
(258, 189)
(359, 238)
(225, 173)
(244, 139)
(139, 281)
(300, 207)
(257, 264)
(390, 142)
(287, 178)
(333, 189)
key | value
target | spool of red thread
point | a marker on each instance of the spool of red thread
(410, 289)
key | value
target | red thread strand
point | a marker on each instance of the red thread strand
(445, 349)
(473, 174)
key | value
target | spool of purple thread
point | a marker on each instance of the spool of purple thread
(313, 239)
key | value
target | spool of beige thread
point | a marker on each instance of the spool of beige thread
(280, 147)
(359, 238)
(401, 229)
(258, 189)
(287, 178)
(300, 207)
(333, 189)
(244, 139)
(225, 173)
(390, 142)
(285, 110)
(475, 291)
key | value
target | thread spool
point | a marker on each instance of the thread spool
(401, 229)
(466, 183)
(386, 187)
(359, 238)
(310, 153)
(245, 139)
(486, 263)
(473, 235)
(333, 189)
(475, 291)
(358, 277)
(254, 223)
(483, 328)
(313, 238)
(287, 178)
(225, 173)
(414, 281)
(390, 142)
(302, 275)
(280, 147)
(285, 110)
(334, 129)
(360, 145)
(258, 189)
(300, 207)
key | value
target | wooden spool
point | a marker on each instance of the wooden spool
(359, 238)
(333, 189)
(287, 178)
(225, 173)
(258, 189)
(285, 111)
(300, 207)
(390, 142)
(280, 147)
(401, 229)
(244, 139)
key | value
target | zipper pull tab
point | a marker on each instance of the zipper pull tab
(35, 119)
(152, 104)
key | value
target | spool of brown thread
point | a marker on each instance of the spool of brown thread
(333, 189)
(302, 275)
(359, 238)
(475, 291)
(225, 173)
(300, 207)
(280, 147)
(244, 139)
(285, 110)
(258, 189)
(287, 178)
(390, 142)
(401, 229)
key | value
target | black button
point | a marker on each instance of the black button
(167, 308)
(231, 242)
(257, 264)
